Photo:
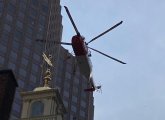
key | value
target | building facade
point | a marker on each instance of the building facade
(43, 103)
(21, 23)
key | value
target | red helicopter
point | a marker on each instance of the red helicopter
(82, 53)
(81, 48)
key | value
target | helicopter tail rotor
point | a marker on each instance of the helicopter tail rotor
(99, 88)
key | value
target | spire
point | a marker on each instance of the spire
(47, 75)
(47, 78)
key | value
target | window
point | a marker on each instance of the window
(21, 15)
(68, 75)
(69, 68)
(30, 30)
(22, 72)
(9, 18)
(28, 41)
(23, 5)
(35, 2)
(83, 103)
(76, 81)
(13, 55)
(11, 66)
(42, 19)
(36, 57)
(66, 85)
(83, 94)
(13, 1)
(1, 7)
(18, 34)
(35, 68)
(7, 27)
(40, 36)
(31, 20)
(15, 45)
(21, 83)
(11, 8)
(3, 48)
(19, 24)
(71, 117)
(2, 60)
(84, 84)
(33, 78)
(65, 103)
(41, 28)
(4, 38)
(75, 89)
(74, 99)
(45, 2)
(66, 94)
(82, 113)
(37, 108)
(24, 62)
(33, 12)
(26, 51)
(44, 8)
(73, 108)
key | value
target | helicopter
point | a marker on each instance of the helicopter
(81, 48)
(82, 51)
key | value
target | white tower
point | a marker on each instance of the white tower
(43, 103)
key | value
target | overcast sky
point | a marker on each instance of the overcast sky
(135, 91)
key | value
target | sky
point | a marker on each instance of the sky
(135, 91)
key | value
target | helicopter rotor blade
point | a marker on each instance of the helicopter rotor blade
(63, 43)
(71, 19)
(105, 32)
(107, 55)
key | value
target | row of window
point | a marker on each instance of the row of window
(74, 105)
(13, 56)
(44, 7)
(74, 99)
(1, 7)
(2, 60)
(19, 24)
(22, 72)
(23, 4)
(74, 109)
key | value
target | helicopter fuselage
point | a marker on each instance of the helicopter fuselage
(79, 46)
(82, 56)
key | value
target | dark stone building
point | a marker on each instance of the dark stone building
(21, 23)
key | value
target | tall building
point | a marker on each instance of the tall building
(78, 103)
(21, 23)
